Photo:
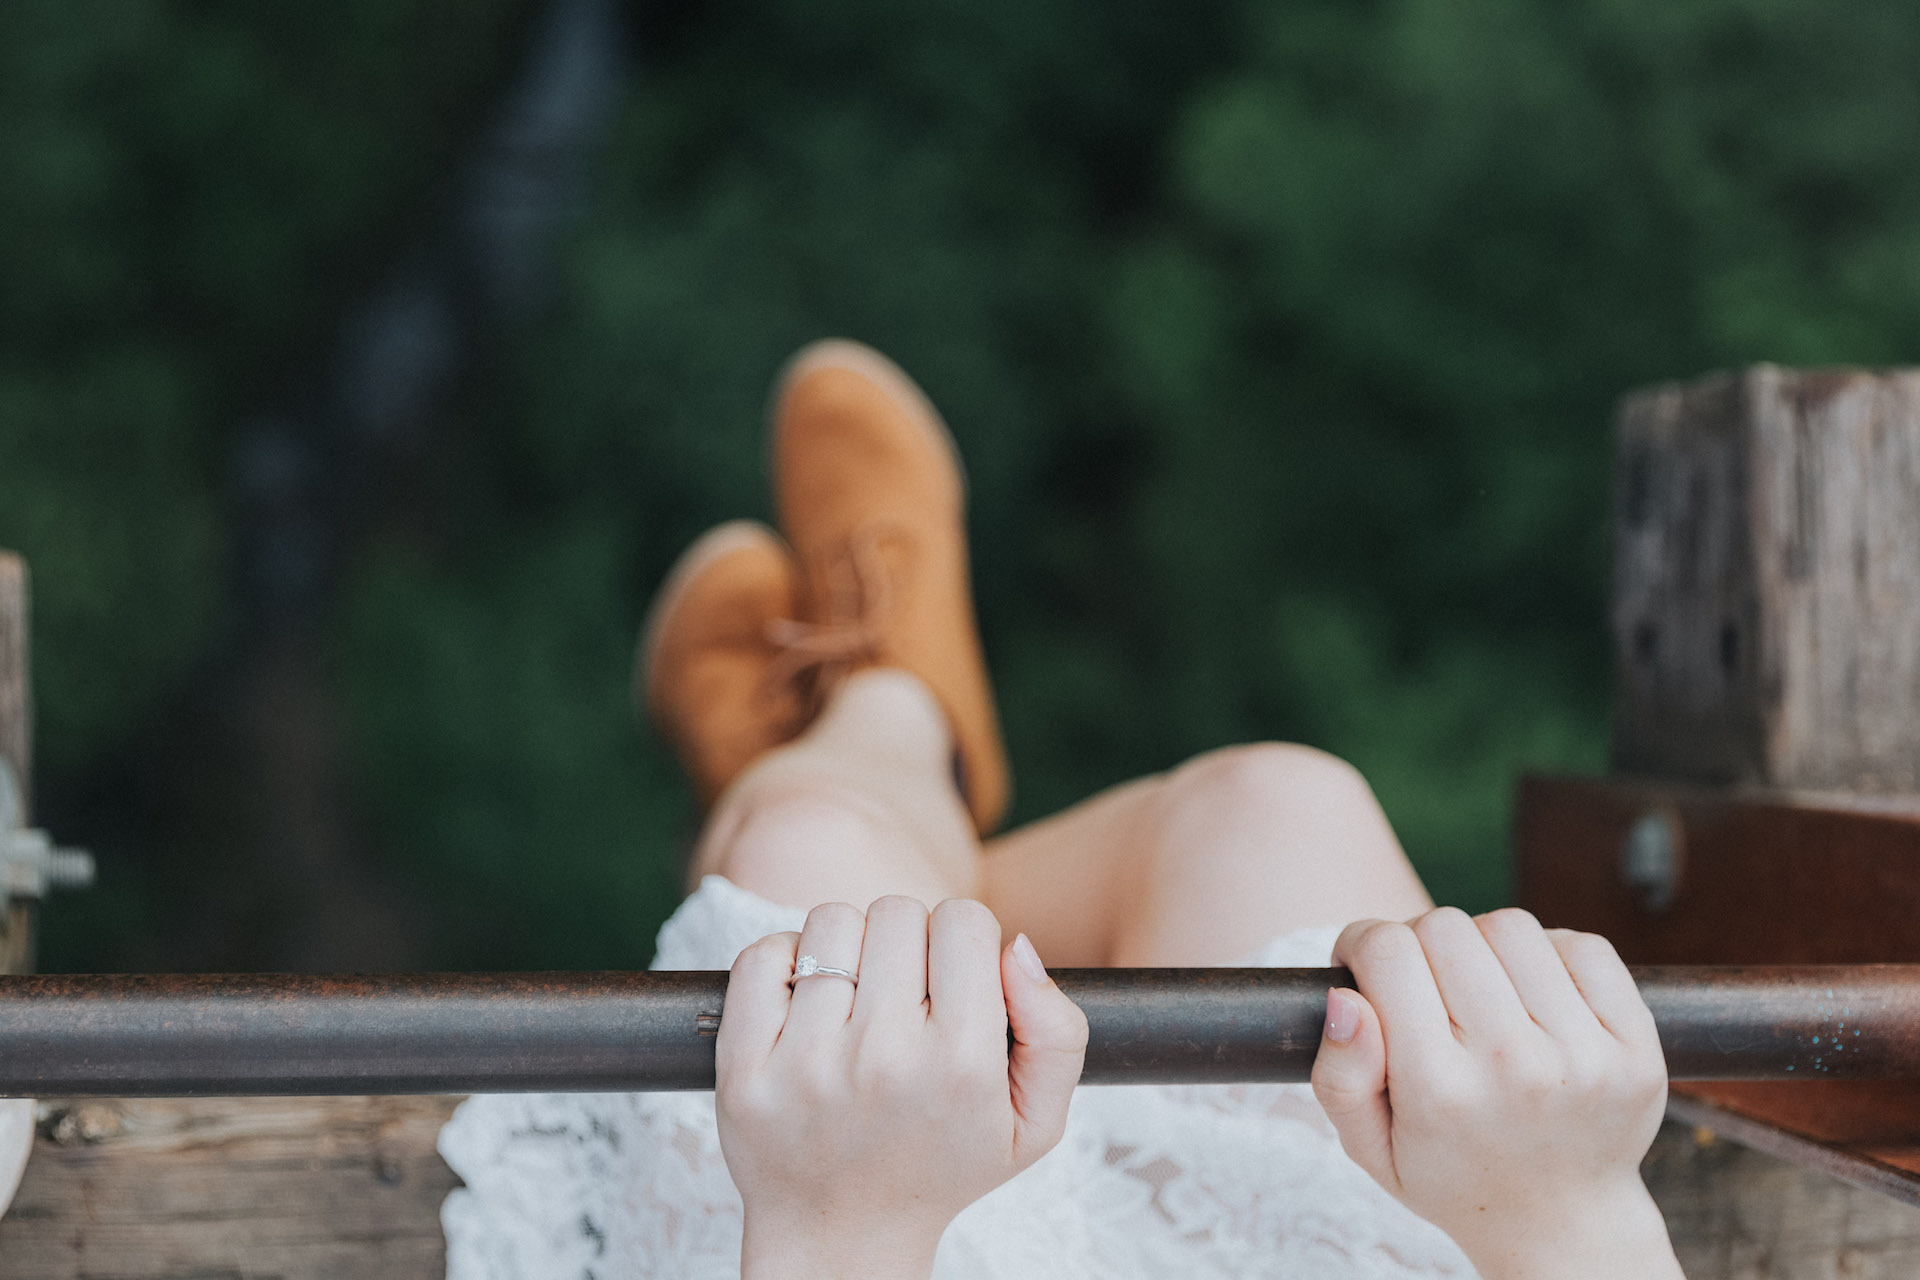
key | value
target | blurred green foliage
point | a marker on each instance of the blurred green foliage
(189, 195)
(1281, 342)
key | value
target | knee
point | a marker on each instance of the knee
(783, 835)
(809, 822)
(1262, 781)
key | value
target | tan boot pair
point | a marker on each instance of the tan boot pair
(751, 635)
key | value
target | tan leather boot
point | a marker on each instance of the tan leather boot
(871, 498)
(704, 670)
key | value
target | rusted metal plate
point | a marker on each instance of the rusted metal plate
(1762, 879)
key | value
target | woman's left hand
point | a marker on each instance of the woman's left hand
(1503, 1081)
(857, 1121)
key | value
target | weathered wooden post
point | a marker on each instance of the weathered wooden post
(1766, 602)
(16, 921)
(30, 864)
(16, 748)
(315, 1187)
(1765, 798)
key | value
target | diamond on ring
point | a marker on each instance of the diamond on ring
(810, 967)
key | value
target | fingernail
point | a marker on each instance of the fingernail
(1028, 959)
(1343, 1016)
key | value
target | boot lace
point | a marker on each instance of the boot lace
(817, 656)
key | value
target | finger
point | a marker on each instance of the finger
(756, 1004)
(832, 937)
(1049, 1049)
(1350, 1082)
(1606, 986)
(1479, 996)
(893, 963)
(1390, 968)
(1538, 974)
(963, 969)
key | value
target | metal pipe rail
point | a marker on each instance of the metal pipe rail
(215, 1034)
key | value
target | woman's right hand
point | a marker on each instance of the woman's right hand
(857, 1121)
(1504, 1082)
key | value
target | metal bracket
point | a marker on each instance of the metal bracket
(31, 866)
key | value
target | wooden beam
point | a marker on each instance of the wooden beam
(1766, 595)
(345, 1188)
(238, 1189)
(1737, 1214)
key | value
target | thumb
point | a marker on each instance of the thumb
(1350, 1080)
(1049, 1048)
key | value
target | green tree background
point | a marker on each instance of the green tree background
(1281, 341)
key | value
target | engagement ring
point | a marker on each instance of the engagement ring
(809, 967)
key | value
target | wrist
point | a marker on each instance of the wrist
(826, 1248)
(1615, 1232)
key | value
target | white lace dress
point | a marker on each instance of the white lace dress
(1240, 1181)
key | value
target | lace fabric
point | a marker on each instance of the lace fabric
(1240, 1181)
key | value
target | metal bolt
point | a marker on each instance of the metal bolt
(30, 865)
(69, 869)
(1651, 857)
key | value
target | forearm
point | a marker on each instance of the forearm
(825, 1251)
(1618, 1235)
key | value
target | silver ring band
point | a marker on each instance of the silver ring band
(809, 967)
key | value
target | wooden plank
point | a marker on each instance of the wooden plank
(1770, 879)
(234, 1189)
(1766, 601)
(322, 1189)
(1865, 1134)
(1737, 1214)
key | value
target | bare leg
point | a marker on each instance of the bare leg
(1197, 866)
(1202, 865)
(860, 806)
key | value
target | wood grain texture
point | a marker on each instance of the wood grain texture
(1865, 1133)
(1766, 600)
(1738, 1214)
(326, 1189)
(232, 1189)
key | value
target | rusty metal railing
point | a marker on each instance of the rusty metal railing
(212, 1034)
